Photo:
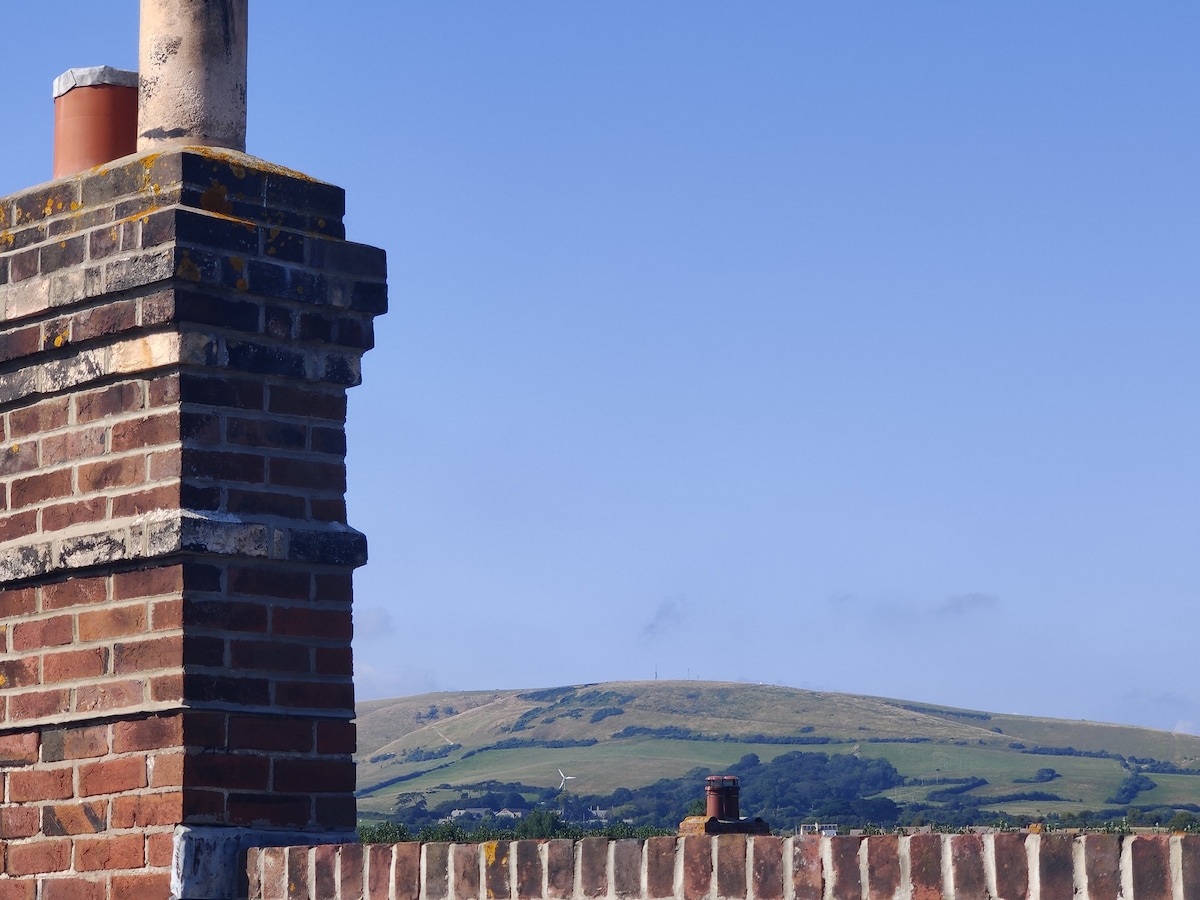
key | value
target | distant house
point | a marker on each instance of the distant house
(507, 813)
(473, 812)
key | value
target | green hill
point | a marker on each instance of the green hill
(631, 734)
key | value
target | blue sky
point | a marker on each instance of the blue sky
(862, 336)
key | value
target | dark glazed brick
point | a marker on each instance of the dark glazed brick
(1152, 867)
(697, 865)
(348, 258)
(966, 855)
(216, 689)
(42, 203)
(883, 866)
(925, 866)
(369, 297)
(286, 246)
(310, 404)
(627, 868)
(1056, 866)
(63, 254)
(437, 871)
(465, 860)
(495, 868)
(313, 197)
(1012, 867)
(529, 870)
(660, 867)
(237, 315)
(230, 392)
(560, 869)
(407, 874)
(767, 867)
(593, 868)
(266, 360)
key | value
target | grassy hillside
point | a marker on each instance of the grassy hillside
(630, 734)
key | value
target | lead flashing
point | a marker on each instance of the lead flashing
(93, 76)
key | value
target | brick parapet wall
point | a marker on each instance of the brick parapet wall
(177, 335)
(1004, 866)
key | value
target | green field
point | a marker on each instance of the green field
(397, 735)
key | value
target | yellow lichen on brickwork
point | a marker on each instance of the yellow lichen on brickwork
(216, 199)
(187, 269)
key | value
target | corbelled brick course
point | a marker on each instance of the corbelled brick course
(177, 334)
(738, 867)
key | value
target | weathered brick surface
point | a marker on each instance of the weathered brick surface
(1012, 866)
(177, 335)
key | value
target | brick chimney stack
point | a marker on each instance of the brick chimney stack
(177, 333)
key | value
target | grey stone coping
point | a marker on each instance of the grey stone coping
(93, 76)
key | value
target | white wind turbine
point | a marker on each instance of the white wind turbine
(565, 779)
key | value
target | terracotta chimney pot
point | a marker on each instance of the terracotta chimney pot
(95, 118)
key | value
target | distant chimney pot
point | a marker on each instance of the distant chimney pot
(192, 60)
(95, 118)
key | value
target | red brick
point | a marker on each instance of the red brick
(660, 866)
(160, 848)
(112, 621)
(111, 473)
(255, 581)
(72, 889)
(112, 776)
(767, 868)
(17, 458)
(18, 822)
(1102, 866)
(627, 868)
(1056, 866)
(152, 733)
(162, 497)
(40, 633)
(1189, 858)
(39, 857)
(966, 855)
(271, 733)
(111, 318)
(41, 417)
(74, 592)
(697, 866)
(465, 861)
(1151, 856)
(406, 870)
(925, 866)
(109, 695)
(19, 749)
(297, 871)
(166, 614)
(847, 879)
(72, 665)
(74, 742)
(133, 434)
(19, 525)
(64, 515)
(17, 602)
(379, 872)
(19, 673)
(82, 443)
(731, 865)
(166, 464)
(315, 694)
(163, 580)
(322, 776)
(227, 770)
(38, 704)
(334, 661)
(150, 886)
(119, 398)
(271, 656)
(166, 769)
(272, 872)
(40, 488)
(350, 871)
(1012, 866)
(336, 812)
(336, 736)
(560, 869)
(75, 818)
(325, 870)
(270, 811)
(144, 810)
(11, 889)
(126, 851)
(145, 656)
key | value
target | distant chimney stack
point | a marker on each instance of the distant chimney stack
(192, 62)
(95, 118)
